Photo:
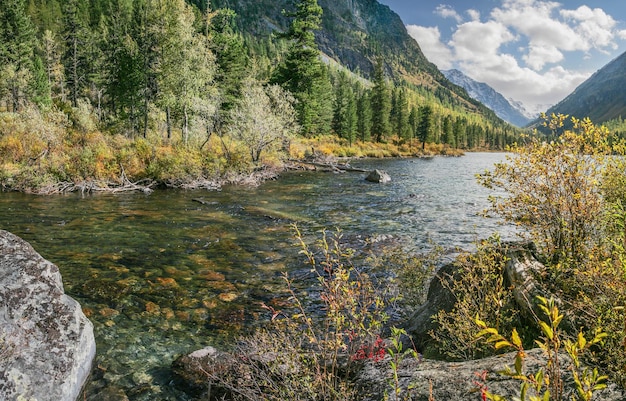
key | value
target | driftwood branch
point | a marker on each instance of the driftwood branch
(332, 166)
(124, 185)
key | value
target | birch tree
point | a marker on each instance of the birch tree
(264, 118)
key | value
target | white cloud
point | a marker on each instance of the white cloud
(473, 14)
(519, 46)
(478, 41)
(548, 35)
(447, 11)
(429, 39)
(542, 54)
(595, 27)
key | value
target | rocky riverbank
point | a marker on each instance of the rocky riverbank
(204, 373)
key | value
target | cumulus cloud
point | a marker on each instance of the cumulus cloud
(594, 26)
(517, 47)
(429, 39)
(447, 11)
(479, 42)
(473, 14)
(551, 30)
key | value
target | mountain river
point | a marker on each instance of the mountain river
(163, 274)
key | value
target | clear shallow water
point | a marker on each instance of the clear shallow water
(162, 275)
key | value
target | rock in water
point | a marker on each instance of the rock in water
(195, 373)
(378, 176)
(47, 345)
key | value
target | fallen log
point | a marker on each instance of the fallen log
(331, 166)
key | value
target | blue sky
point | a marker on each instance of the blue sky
(533, 51)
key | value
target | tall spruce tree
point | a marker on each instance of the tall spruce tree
(381, 103)
(446, 129)
(75, 36)
(402, 114)
(51, 56)
(345, 120)
(17, 38)
(231, 55)
(425, 125)
(364, 115)
(302, 72)
(125, 78)
(413, 122)
(39, 86)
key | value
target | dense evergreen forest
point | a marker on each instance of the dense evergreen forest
(175, 92)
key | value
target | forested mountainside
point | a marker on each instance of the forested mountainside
(103, 89)
(355, 33)
(602, 97)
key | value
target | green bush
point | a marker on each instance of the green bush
(301, 356)
(479, 289)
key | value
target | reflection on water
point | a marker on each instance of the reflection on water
(164, 274)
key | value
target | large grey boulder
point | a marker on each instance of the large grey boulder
(378, 176)
(520, 274)
(47, 344)
(198, 373)
(439, 297)
(460, 381)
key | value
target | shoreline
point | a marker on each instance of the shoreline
(327, 163)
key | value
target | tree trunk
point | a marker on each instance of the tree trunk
(75, 72)
(168, 122)
(185, 125)
(15, 95)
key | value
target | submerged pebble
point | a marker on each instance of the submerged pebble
(227, 296)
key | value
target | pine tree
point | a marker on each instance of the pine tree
(125, 76)
(448, 134)
(393, 121)
(413, 122)
(75, 36)
(50, 50)
(17, 36)
(402, 114)
(345, 120)
(302, 72)
(364, 115)
(424, 128)
(459, 132)
(39, 85)
(381, 103)
(231, 55)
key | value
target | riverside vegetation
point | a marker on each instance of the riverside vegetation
(567, 197)
(129, 94)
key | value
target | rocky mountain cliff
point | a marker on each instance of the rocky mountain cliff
(601, 97)
(509, 111)
(354, 33)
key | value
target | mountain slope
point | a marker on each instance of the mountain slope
(602, 97)
(354, 33)
(489, 97)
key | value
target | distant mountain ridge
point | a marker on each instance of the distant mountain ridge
(602, 97)
(510, 111)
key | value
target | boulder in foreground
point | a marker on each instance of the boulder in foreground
(47, 344)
